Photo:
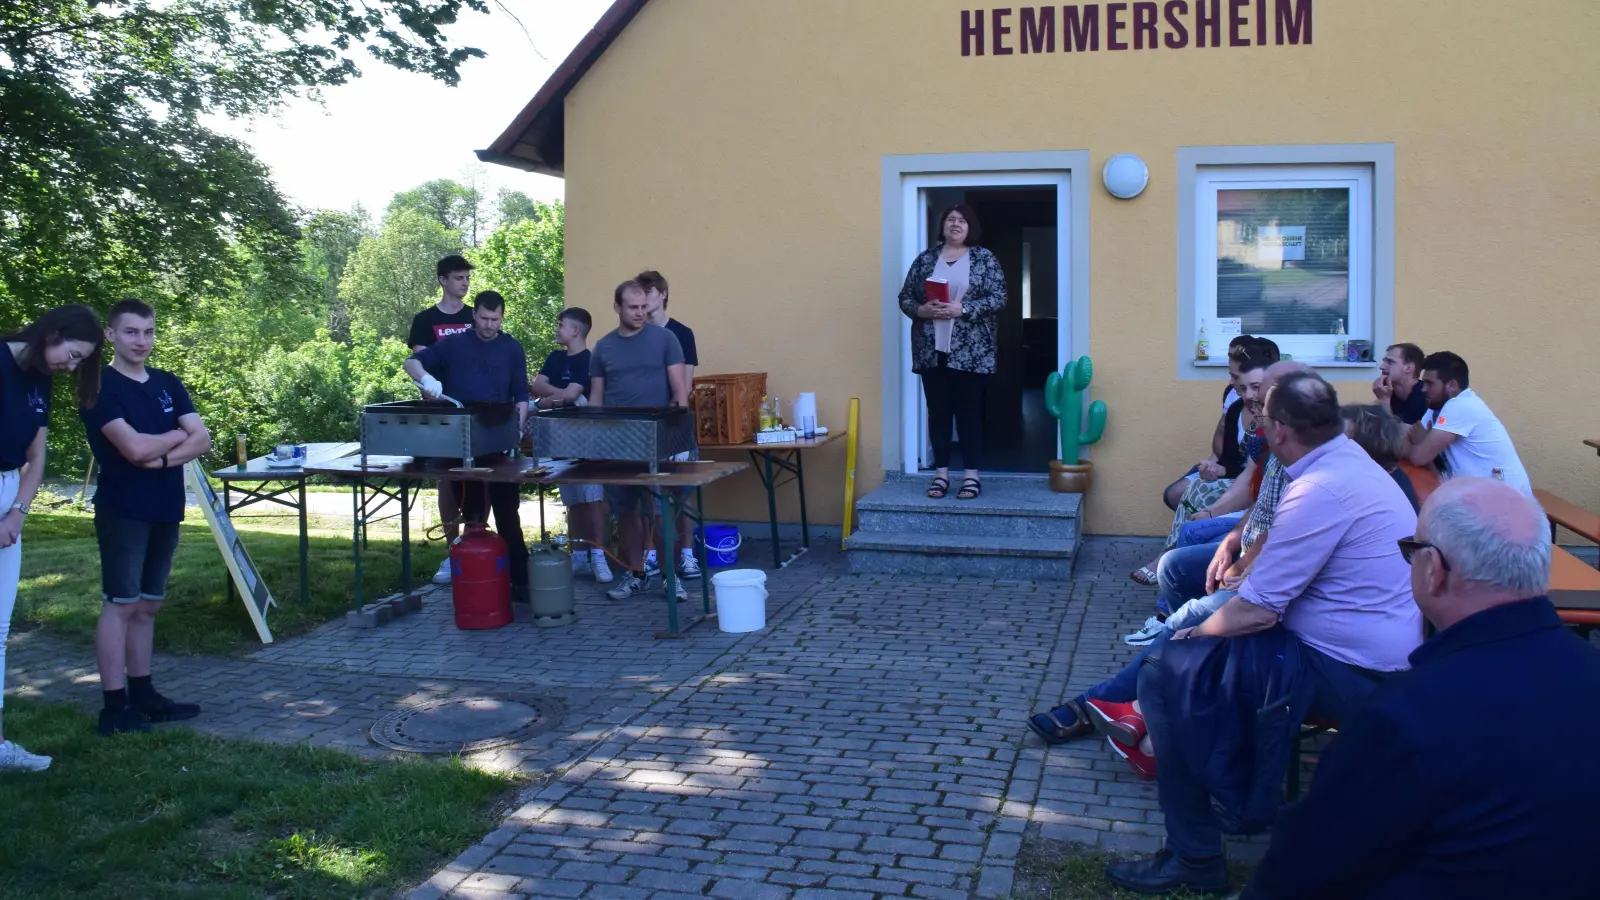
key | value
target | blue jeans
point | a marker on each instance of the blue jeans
(1206, 531)
(1338, 690)
(1182, 574)
(1123, 687)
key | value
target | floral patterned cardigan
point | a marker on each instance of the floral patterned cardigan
(974, 335)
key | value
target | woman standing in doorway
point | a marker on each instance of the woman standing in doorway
(65, 339)
(953, 341)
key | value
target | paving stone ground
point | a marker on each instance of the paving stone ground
(870, 742)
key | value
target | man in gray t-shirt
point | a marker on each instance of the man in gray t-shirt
(638, 364)
(637, 369)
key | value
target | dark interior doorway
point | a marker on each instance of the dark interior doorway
(1019, 228)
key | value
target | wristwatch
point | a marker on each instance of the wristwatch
(20, 508)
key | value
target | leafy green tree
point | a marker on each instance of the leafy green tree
(450, 203)
(514, 206)
(523, 261)
(391, 277)
(327, 240)
(108, 177)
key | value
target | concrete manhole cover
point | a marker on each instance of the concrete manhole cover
(466, 724)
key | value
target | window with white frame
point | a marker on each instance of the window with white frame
(1287, 252)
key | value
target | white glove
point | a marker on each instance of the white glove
(431, 388)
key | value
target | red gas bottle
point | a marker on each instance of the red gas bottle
(480, 579)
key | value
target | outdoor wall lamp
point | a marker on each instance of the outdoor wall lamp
(1125, 176)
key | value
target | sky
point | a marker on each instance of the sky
(390, 130)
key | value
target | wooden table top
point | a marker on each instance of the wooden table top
(258, 470)
(801, 444)
(1574, 588)
(524, 470)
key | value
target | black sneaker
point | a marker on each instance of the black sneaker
(120, 721)
(159, 709)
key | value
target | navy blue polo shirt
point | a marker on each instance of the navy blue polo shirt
(151, 407)
(474, 370)
(24, 408)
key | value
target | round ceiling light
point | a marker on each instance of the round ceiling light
(1125, 176)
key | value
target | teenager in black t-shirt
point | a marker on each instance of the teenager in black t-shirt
(563, 380)
(64, 339)
(142, 429)
(655, 291)
(451, 315)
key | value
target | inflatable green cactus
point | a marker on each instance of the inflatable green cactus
(1063, 397)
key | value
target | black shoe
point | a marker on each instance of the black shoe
(159, 709)
(1165, 873)
(1064, 723)
(122, 721)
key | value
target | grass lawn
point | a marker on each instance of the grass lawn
(173, 814)
(1052, 870)
(60, 588)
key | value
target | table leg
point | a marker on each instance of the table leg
(227, 507)
(669, 564)
(356, 497)
(405, 539)
(700, 550)
(800, 485)
(771, 482)
(305, 547)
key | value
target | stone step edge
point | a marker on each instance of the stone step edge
(963, 508)
(960, 545)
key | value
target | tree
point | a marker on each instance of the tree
(327, 240)
(524, 263)
(107, 174)
(447, 202)
(391, 277)
(514, 206)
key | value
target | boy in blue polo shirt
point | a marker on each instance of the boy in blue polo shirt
(142, 429)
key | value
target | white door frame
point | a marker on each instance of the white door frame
(906, 179)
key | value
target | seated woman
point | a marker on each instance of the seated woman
(1111, 706)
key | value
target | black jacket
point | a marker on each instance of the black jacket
(1474, 775)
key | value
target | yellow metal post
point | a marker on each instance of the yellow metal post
(850, 466)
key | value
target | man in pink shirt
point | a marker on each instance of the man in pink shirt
(1324, 616)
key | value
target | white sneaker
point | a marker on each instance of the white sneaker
(682, 594)
(580, 564)
(14, 758)
(601, 569)
(690, 567)
(443, 575)
(631, 585)
(1152, 629)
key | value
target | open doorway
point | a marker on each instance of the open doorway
(1020, 227)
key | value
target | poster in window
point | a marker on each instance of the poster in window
(1281, 243)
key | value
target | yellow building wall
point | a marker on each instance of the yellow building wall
(736, 146)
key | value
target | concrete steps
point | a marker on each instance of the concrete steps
(1018, 529)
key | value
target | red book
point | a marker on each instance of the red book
(937, 290)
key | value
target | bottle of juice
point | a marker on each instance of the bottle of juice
(1202, 345)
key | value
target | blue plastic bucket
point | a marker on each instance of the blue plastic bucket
(722, 545)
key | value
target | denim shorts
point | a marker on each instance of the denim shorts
(576, 494)
(135, 557)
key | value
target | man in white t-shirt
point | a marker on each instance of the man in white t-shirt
(1462, 427)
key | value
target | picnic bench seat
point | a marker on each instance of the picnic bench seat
(1569, 515)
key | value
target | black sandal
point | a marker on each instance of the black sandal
(939, 489)
(970, 489)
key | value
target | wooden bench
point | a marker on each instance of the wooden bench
(1569, 515)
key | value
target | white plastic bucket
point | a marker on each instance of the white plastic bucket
(741, 599)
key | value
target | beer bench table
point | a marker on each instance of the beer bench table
(258, 482)
(1574, 589)
(771, 461)
(397, 474)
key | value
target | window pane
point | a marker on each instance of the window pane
(1283, 259)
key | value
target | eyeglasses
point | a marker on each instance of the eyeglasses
(1410, 547)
